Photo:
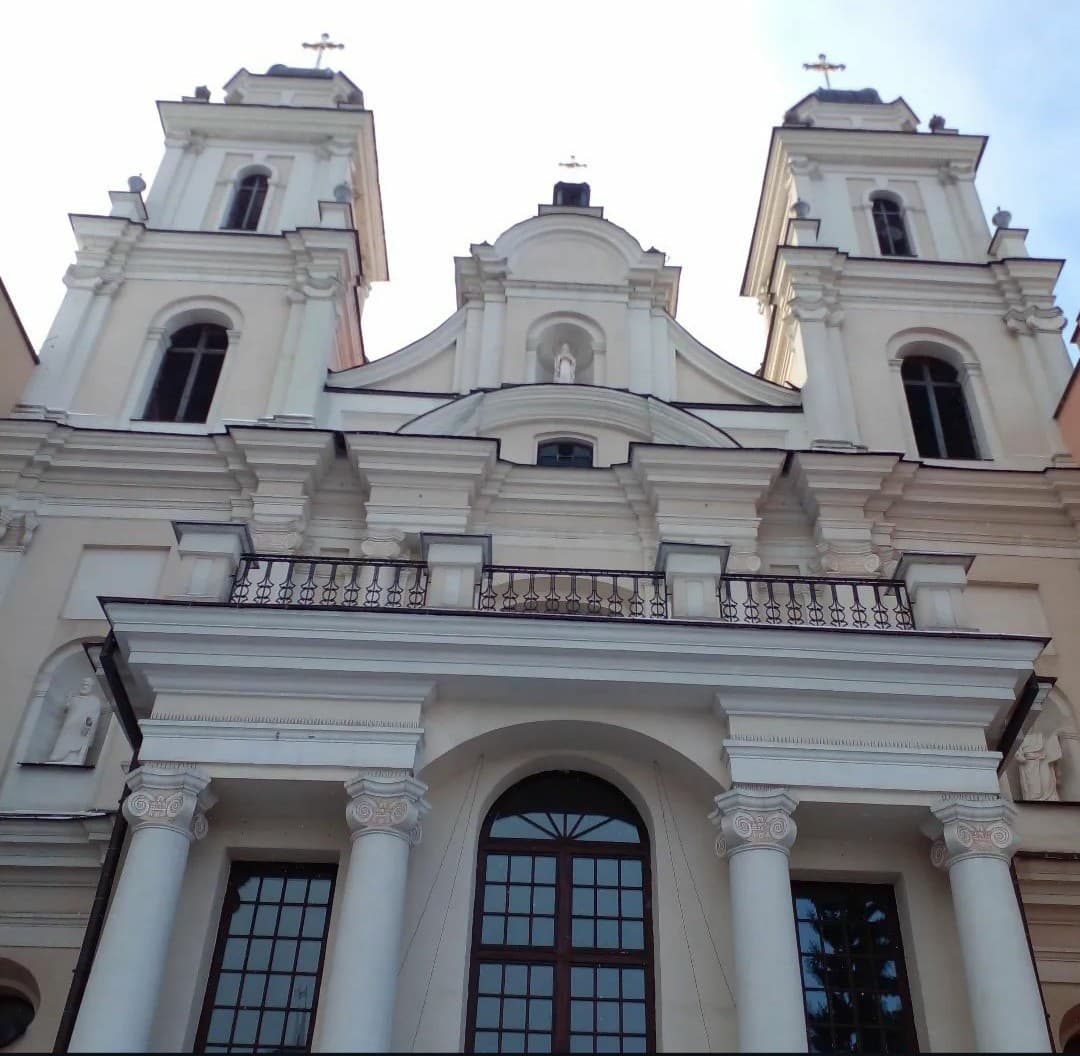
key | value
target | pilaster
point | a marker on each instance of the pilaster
(708, 496)
(287, 464)
(836, 490)
(419, 483)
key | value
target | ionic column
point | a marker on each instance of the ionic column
(165, 811)
(756, 834)
(356, 1012)
(975, 847)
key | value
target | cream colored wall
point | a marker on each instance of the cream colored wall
(122, 365)
(51, 969)
(880, 405)
(16, 355)
(691, 925)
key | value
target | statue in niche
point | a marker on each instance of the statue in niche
(565, 365)
(82, 712)
(1038, 756)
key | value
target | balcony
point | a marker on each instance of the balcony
(265, 580)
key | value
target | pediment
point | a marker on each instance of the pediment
(574, 409)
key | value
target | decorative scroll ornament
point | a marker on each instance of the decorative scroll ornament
(753, 818)
(393, 807)
(973, 828)
(169, 798)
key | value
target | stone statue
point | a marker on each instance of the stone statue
(1038, 756)
(565, 365)
(82, 712)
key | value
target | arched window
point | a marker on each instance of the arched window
(938, 410)
(247, 203)
(575, 453)
(188, 375)
(562, 930)
(889, 225)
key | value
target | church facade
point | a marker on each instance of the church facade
(550, 684)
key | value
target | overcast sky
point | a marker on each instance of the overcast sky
(671, 105)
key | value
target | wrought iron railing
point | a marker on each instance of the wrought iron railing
(777, 601)
(573, 592)
(783, 601)
(329, 582)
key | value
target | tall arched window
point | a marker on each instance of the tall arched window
(889, 226)
(938, 410)
(188, 375)
(247, 203)
(562, 929)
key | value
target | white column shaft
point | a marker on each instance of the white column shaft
(360, 982)
(118, 1008)
(1002, 988)
(768, 987)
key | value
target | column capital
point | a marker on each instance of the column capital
(754, 817)
(390, 805)
(973, 828)
(169, 797)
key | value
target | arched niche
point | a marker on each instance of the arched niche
(67, 717)
(554, 336)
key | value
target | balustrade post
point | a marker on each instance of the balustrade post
(693, 572)
(455, 565)
(208, 557)
(935, 584)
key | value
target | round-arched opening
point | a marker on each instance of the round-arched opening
(247, 201)
(188, 375)
(938, 408)
(890, 226)
(562, 931)
(19, 1000)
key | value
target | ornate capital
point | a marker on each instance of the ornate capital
(754, 817)
(169, 797)
(390, 805)
(973, 828)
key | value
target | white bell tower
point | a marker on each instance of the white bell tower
(264, 223)
(870, 245)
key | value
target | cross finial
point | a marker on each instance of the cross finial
(822, 65)
(573, 163)
(322, 46)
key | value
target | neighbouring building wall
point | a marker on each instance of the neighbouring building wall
(17, 356)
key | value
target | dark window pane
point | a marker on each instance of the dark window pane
(573, 453)
(959, 442)
(922, 420)
(247, 203)
(856, 988)
(184, 388)
(274, 1010)
(585, 890)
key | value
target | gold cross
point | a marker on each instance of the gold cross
(822, 65)
(322, 46)
(573, 163)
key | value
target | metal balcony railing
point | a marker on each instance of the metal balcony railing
(272, 580)
(778, 601)
(783, 601)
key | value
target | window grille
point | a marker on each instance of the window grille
(188, 375)
(247, 203)
(891, 230)
(939, 415)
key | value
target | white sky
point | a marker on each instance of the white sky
(670, 104)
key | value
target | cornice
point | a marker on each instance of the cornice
(304, 124)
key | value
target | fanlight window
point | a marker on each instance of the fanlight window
(247, 203)
(938, 410)
(576, 454)
(562, 932)
(889, 226)
(188, 375)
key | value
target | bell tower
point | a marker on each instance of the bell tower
(229, 291)
(870, 247)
